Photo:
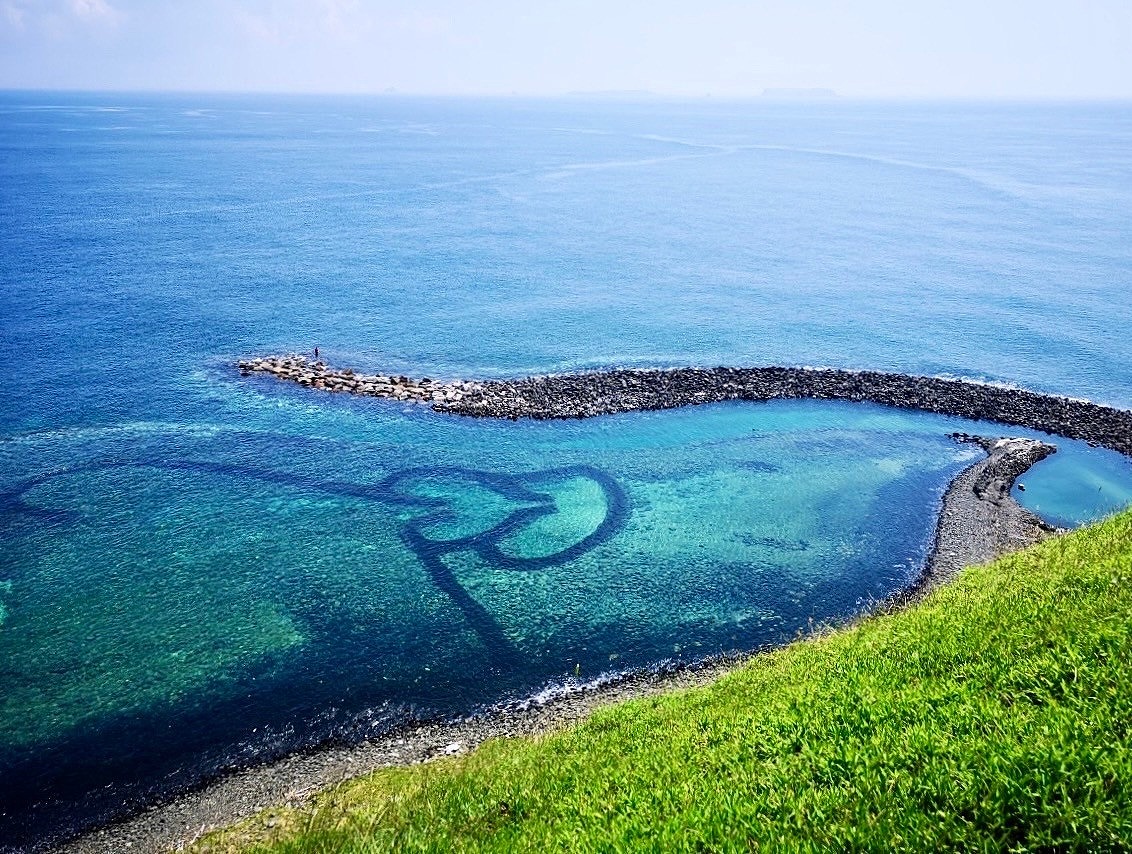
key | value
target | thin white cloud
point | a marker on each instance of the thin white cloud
(424, 24)
(259, 28)
(13, 15)
(57, 18)
(331, 22)
(286, 22)
(94, 10)
(339, 17)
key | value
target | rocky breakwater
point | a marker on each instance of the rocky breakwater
(608, 392)
(585, 395)
(318, 375)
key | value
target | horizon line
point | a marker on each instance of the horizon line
(779, 95)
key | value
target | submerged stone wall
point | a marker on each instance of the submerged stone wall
(601, 393)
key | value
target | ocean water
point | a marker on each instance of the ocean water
(199, 571)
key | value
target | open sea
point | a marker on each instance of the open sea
(199, 571)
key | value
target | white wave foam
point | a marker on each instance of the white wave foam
(128, 430)
(998, 184)
(690, 143)
(569, 687)
(983, 380)
(966, 454)
(568, 170)
(585, 131)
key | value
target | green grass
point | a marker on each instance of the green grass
(993, 716)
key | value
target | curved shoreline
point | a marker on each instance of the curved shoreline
(978, 520)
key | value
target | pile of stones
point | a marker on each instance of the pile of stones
(316, 374)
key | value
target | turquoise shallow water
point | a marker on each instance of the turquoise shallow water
(200, 571)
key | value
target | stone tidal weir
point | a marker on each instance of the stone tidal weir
(978, 520)
(584, 395)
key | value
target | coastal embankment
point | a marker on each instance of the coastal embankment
(584, 395)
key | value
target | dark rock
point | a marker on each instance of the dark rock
(608, 392)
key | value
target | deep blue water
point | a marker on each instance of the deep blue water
(199, 571)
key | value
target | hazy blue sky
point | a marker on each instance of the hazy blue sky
(991, 48)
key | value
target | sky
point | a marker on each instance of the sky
(858, 48)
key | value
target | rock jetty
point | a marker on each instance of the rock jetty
(603, 393)
(316, 374)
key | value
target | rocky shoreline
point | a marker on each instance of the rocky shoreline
(978, 521)
(603, 393)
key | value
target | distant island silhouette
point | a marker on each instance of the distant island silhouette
(793, 93)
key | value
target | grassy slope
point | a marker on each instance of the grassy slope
(995, 715)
